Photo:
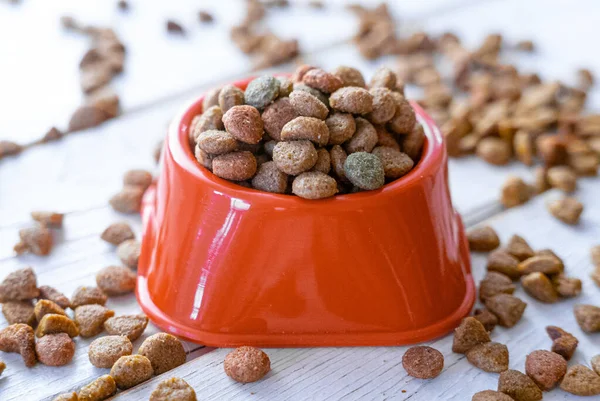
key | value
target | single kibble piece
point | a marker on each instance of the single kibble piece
(518, 386)
(364, 170)
(116, 280)
(53, 323)
(309, 128)
(364, 139)
(262, 91)
(549, 252)
(308, 105)
(230, 96)
(131, 326)
(489, 357)
(384, 106)
(286, 86)
(235, 166)
(247, 364)
(211, 98)
(88, 296)
(244, 124)
(545, 368)
(352, 99)
(131, 370)
(317, 93)
(268, 178)
(514, 192)
(19, 338)
(314, 185)
(277, 115)
(295, 157)
(117, 233)
(490, 395)
(383, 78)
(404, 119)
(487, 318)
(412, 143)
(349, 76)
(87, 116)
(495, 283)
(323, 163)
(52, 294)
(91, 318)
(342, 127)
(20, 285)
(105, 351)
(37, 240)
(55, 349)
(338, 158)
(216, 142)
(588, 317)
(129, 253)
(539, 286)
(469, 334)
(164, 351)
(395, 163)
(300, 71)
(596, 364)
(44, 307)
(581, 380)
(503, 262)
(173, 389)
(483, 239)
(19, 312)
(543, 264)
(211, 119)
(519, 248)
(385, 138)
(507, 308)
(563, 343)
(137, 178)
(567, 210)
(8, 148)
(423, 362)
(129, 200)
(563, 178)
(321, 80)
(494, 151)
(98, 390)
(48, 219)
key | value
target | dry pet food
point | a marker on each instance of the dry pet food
(545, 368)
(487, 318)
(515, 192)
(588, 317)
(518, 386)
(489, 357)
(563, 343)
(117, 233)
(247, 364)
(105, 351)
(539, 286)
(131, 370)
(314, 185)
(66, 397)
(131, 326)
(2, 367)
(173, 389)
(519, 248)
(490, 395)
(116, 280)
(37, 240)
(483, 239)
(581, 380)
(48, 219)
(503, 262)
(55, 349)
(469, 334)
(423, 362)
(541, 263)
(52, 294)
(44, 307)
(129, 253)
(128, 200)
(567, 210)
(137, 178)
(20, 285)
(98, 390)
(19, 312)
(164, 351)
(495, 283)
(19, 338)
(91, 318)
(88, 296)
(507, 308)
(54, 323)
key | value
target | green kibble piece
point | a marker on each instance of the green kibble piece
(364, 170)
(262, 91)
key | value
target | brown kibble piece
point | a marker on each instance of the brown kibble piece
(129, 253)
(19, 338)
(595, 254)
(19, 312)
(489, 357)
(9, 148)
(87, 296)
(567, 210)
(566, 287)
(596, 364)
(131, 326)
(495, 283)
(342, 127)
(507, 308)
(116, 280)
(37, 240)
(131, 370)
(490, 395)
(469, 334)
(423, 362)
(494, 151)
(45, 306)
(20, 285)
(117, 233)
(308, 105)
(173, 389)
(244, 124)
(404, 119)
(309, 128)
(268, 178)
(314, 185)
(352, 99)
(519, 248)
(175, 28)
(98, 390)
(338, 158)
(385, 138)
(164, 351)
(412, 143)
(137, 178)
(129, 200)
(518, 386)
(247, 364)
(395, 163)
(563, 178)
(483, 239)
(384, 106)
(514, 192)
(48, 219)
(211, 98)
(87, 116)
(542, 264)
(55, 349)
(91, 318)
(503, 262)
(539, 286)
(364, 139)
(216, 142)
(523, 147)
(383, 78)
(545, 368)
(295, 157)
(211, 119)
(277, 115)
(585, 78)
(487, 318)
(105, 351)
(581, 380)
(322, 80)
(588, 317)
(323, 163)
(564, 343)
(235, 166)
(349, 76)
(54, 323)
(230, 96)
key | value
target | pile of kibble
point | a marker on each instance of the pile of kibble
(315, 135)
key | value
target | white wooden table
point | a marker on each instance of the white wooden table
(38, 89)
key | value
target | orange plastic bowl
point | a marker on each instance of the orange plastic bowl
(225, 265)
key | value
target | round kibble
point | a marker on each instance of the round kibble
(244, 124)
(352, 99)
(323, 163)
(131, 326)
(412, 144)
(262, 91)
(349, 76)
(246, 364)
(55, 349)
(117, 233)
(211, 119)
(173, 389)
(338, 158)
(129, 253)
(383, 78)
(301, 71)
(314, 185)
(308, 105)
(384, 138)
(203, 158)
(315, 92)
(268, 178)
(545, 368)
(140, 178)
(404, 118)
(116, 280)
(310, 128)
(129, 200)
(364, 139)
(216, 142)
(322, 80)
(276, 115)
(384, 106)
(494, 151)
(235, 166)
(423, 362)
(395, 163)
(164, 351)
(131, 370)
(286, 86)
(230, 96)
(341, 127)
(211, 98)
(364, 170)
(295, 157)
(105, 351)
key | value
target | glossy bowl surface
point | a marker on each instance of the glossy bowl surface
(225, 265)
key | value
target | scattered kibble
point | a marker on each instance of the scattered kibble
(137, 178)
(128, 200)
(91, 318)
(66, 397)
(53, 323)
(567, 210)
(37, 240)
(507, 308)
(175, 28)
(164, 351)
(105, 351)
(515, 192)
(116, 280)
(518, 386)
(503, 262)
(423, 362)
(55, 349)
(519, 248)
(483, 239)
(566, 287)
(491, 395)
(563, 178)
(117, 233)
(539, 286)
(487, 318)
(20, 285)
(129, 253)
(563, 343)
(131, 370)
(489, 357)
(19, 312)
(469, 334)
(88, 296)
(19, 338)
(173, 389)
(581, 380)
(548, 265)
(131, 326)
(588, 317)
(48, 219)
(545, 368)
(247, 364)
(98, 390)
(495, 283)
(44, 307)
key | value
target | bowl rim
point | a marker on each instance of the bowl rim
(432, 157)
